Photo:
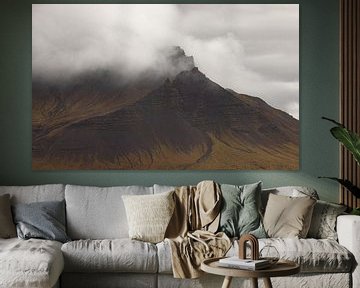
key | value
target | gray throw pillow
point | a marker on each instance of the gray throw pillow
(7, 227)
(323, 222)
(44, 220)
(240, 213)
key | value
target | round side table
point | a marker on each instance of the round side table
(281, 268)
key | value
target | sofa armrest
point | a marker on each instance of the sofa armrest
(348, 230)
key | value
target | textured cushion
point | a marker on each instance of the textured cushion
(37, 193)
(313, 255)
(7, 227)
(98, 213)
(44, 220)
(240, 210)
(291, 191)
(109, 280)
(30, 263)
(287, 216)
(323, 222)
(118, 255)
(149, 215)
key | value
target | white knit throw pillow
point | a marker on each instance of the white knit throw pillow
(149, 215)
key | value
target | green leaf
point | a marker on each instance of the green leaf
(349, 139)
(355, 211)
(347, 184)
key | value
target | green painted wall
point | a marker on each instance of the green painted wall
(318, 97)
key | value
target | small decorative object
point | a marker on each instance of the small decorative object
(270, 253)
(254, 246)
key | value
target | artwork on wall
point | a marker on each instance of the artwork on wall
(165, 86)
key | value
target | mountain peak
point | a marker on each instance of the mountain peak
(174, 60)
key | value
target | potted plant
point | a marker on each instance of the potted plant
(351, 141)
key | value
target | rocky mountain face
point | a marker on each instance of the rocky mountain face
(177, 119)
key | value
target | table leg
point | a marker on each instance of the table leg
(254, 282)
(267, 283)
(227, 282)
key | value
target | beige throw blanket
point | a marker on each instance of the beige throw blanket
(192, 227)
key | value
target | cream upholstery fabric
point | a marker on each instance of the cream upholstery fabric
(313, 255)
(348, 229)
(330, 280)
(98, 213)
(28, 194)
(30, 263)
(108, 280)
(149, 215)
(322, 255)
(163, 188)
(118, 255)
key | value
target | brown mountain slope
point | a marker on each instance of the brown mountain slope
(189, 122)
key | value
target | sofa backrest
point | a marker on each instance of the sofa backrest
(98, 212)
(36, 193)
(163, 188)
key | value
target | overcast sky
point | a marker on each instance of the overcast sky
(250, 48)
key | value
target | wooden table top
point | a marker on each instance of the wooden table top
(281, 268)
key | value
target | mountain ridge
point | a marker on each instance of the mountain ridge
(185, 121)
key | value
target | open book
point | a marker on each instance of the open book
(236, 262)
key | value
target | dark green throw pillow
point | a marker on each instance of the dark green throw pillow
(43, 220)
(240, 213)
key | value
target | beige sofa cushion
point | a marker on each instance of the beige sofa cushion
(287, 216)
(117, 255)
(98, 213)
(313, 255)
(149, 215)
(109, 280)
(291, 191)
(30, 263)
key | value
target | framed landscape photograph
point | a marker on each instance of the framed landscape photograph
(165, 86)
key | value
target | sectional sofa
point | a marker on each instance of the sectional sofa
(101, 254)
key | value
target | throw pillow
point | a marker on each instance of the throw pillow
(149, 215)
(43, 220)
(288, 217)
(323, 222)
(7, 227)
(240, 213)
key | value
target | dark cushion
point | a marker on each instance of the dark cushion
(43, 220)
(7, 226)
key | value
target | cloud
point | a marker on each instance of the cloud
(252, 49)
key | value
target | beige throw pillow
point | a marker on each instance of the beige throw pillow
(7, 226)
(149, 215)
(288, 217)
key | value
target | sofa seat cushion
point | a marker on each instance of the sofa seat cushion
(313, 255)
(115, 255)
(30, 263)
